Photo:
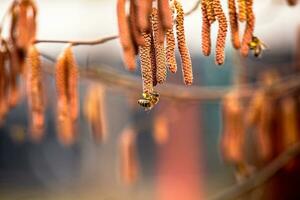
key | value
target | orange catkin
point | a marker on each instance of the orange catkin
(3, 83)
(35, 93)
(249, 28)
(221, 38)
(160, 54)
(128, 157)
(233, 19)
(144, 9)
(206, 41)
(242, 10)
(165, 14)
(125, 36)
(170, 50)
(66, 83)
(210, 11)
(182, 46)
(146, 70)
(136, 34)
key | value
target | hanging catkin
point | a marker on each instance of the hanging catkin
(144, 9)
(136, 34)
(146, 70)
(128, 157)
(233, 18)
(160, 54)
(170, 48)
(66, 84)
(242, 10)
(206, 42)
(210, 11)
(186, 62)
(3, 82)
(125, 35)
(165, 14)
(35, 93)
(221, 38)
(249, 28)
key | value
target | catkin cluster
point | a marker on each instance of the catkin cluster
(66, 76)
(212, 11)
(149, 31)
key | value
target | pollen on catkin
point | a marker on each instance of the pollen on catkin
(210, 11)
(146, 70)
(242, 15)
(160, 54)
(206, 41)
(249, 28)
(125, 35)
(182, 46)
(233, 19)
(222, 32)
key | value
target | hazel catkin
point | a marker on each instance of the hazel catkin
(233, 19)
(242, 15)
(126, 36)
(221, 38)
(160, 55)
(146, 70)
(206, 41)
(182, 46)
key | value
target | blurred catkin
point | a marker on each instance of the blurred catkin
(160, 54)
(128, 158)
(125, 35)
(136, 34)
(144, 9)
(165, 14)
(36, 99)
(146, 70)
(242, 15)
(186, 62)
(3, 83)
(206, 41)
(233, 18)
(221, 38)
(250, 23)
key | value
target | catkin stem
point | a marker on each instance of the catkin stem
(182, 46)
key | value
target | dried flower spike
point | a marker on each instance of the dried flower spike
(160, 55)
(182, 46)
(206, 41)
(35, 93)
(146, 69)
(221, 38)
(233, 18)
(249, 28)
(126, 36)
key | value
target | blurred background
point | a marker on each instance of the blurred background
(177, 149)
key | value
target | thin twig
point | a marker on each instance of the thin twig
(261, 177)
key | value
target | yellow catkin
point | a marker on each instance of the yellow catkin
(128, 158)
(206, 41)
(249, 28)
(210, 11)
(233, 19)
(35, 93)
(146, 70)
(160, 54)
(222, 32)
(182, 46)
(242, 10)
